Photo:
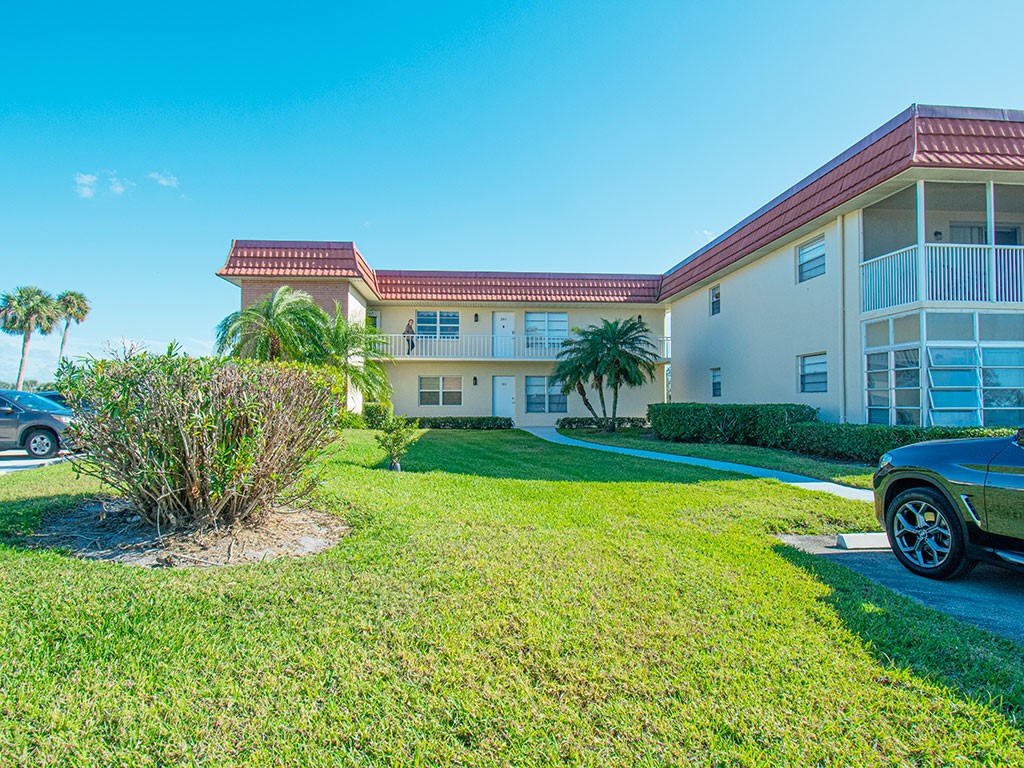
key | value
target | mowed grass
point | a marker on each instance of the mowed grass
(855, 475)
(504, 601)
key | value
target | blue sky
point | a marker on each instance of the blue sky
(137, 140)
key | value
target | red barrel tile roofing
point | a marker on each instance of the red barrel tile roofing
(262, 258)
(920, 137)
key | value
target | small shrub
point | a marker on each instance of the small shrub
(867, 442)
(763, 425)
(465, 422)
(397, 434)
(589, 422)
(351, 420)
(375, 415)
(200, 442)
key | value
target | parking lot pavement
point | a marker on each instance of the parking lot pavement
(14, 461)
(989, 597)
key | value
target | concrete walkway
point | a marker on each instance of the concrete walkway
(800, 481)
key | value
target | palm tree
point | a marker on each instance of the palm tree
(575, 370)
(26, 310)
(616, 353)
(359, 352)
(284, 325)
(73, 306)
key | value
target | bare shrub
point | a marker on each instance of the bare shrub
(200, 442)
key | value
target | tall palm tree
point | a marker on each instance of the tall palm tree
(73, 306)
(284, 325)
(26, 310)
(616, 354)
(359, 352)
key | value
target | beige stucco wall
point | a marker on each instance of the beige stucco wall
(477, 399)
(768, 320)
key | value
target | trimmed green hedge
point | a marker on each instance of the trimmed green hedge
(763, 425)
(867, 442)
(793, 428)
(465, 422)
(588, 422)
(376, 415)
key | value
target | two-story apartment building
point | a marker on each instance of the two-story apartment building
(887, 287)
(463, 343)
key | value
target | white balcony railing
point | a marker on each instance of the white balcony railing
(952, 273)
(485, 347)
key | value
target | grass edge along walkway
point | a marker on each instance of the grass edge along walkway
(552, 435)
(849, 474)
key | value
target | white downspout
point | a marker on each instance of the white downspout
(841, 230)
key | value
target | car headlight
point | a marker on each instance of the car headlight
(885, 460)
(65, 420)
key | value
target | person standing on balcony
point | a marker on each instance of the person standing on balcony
(410, 337)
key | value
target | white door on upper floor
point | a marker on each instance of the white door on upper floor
(504, 331)
(504, 396)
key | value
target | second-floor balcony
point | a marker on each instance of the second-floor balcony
(487, 347)
(943, 272)
(946, 242)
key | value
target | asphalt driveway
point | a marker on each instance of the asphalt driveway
(991, 598)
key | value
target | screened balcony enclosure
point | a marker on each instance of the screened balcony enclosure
(944, 242)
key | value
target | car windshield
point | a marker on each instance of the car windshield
(34, 402)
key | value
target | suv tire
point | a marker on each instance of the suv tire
(41, 443)
(927, 536)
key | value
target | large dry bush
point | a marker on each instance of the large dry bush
(200, 442)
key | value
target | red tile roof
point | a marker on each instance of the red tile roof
(289, 259)
(405, 285)
(297, 258)
(920, 137)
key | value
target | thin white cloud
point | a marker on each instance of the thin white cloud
(85, 185)
(707, 234)
(164, 179)
(116, 184)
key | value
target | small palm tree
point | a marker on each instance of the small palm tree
(73, 306)
(359, 352)
(575, 370)
(285, 325)
(26, 310)
(616, 354)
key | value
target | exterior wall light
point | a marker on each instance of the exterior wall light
(474, 381)
(476, 317)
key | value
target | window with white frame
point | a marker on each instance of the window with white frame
(810, 260)
(440, 390)
(437, 324)
(814, 373)
(716, 382)
(546, 329)
(715, 299)
(544, 395)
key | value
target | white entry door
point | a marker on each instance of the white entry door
(504, 331)
(504, 396)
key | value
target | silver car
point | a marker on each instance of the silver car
(31, 423)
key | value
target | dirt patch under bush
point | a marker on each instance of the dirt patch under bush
(111, 530)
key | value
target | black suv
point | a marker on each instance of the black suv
(948, 504)
(31, 423)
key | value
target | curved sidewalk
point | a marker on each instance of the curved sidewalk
(800, 481)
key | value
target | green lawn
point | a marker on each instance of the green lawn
(504, 601)
(856, 475)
